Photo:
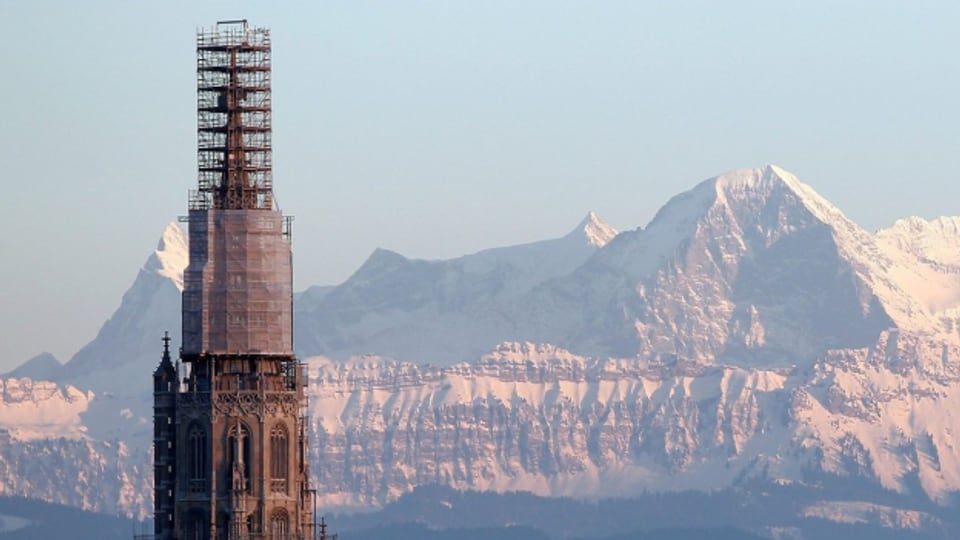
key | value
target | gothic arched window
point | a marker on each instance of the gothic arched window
(279, 525)
(196, 526)
(279, 453)
(197, 458)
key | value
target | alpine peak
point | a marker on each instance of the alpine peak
(171, 256)
(770, 179)
(597, 232)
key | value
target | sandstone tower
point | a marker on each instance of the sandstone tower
(230, 430)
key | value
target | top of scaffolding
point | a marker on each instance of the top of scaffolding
(233, 34)
(234, 155)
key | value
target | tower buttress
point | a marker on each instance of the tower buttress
(164, 443)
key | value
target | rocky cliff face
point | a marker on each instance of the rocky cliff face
(749, 333)
(534, 418)
(92, 475)
(47, 451)
(750, 268)
(540, 419)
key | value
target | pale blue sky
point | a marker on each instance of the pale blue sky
(440, 128)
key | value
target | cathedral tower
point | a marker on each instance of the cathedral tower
(230, 430)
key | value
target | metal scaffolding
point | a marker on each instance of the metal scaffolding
(237, 288)
(230, 420)
(234, 155)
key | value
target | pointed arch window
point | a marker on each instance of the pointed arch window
(279, 457)
(279, 525)
(197, 467)
(196, 526)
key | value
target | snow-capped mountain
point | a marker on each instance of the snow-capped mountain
(80, 433)
(751, 267)
(924, 262)
(437, 311)
(128, 340)
(541, 419)
(52, 448)
(749, 333)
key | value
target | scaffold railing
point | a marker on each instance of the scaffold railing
(234, 118)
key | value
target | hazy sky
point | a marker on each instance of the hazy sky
(441, 128)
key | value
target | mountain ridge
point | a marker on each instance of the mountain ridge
(748, 333)
(693, 277)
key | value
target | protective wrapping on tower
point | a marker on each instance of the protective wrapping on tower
(236, 291)
(230, 424)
